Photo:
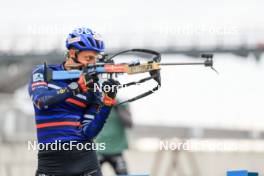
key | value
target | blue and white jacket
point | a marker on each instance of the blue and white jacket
(60, 115)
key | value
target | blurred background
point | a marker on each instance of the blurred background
(193, 105)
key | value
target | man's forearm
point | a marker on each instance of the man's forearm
(45, 98)
(92, 129)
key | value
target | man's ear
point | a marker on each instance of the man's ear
(72, 53)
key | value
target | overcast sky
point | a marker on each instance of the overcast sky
(43, 24)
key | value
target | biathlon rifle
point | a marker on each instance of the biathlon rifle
(108, 66)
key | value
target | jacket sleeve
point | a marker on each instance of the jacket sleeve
(39, 92)
(94, 119)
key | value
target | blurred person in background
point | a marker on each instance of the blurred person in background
(114, 136)
(69, 111)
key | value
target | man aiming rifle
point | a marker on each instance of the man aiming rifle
(71, 111)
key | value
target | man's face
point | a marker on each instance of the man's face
(87, 57)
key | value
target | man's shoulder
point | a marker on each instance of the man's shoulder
(55, 66)
(40, 67)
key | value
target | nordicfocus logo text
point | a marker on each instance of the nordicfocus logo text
(71, 145)
(112, 88)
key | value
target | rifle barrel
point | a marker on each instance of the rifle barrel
(183, 63)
